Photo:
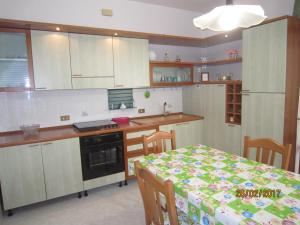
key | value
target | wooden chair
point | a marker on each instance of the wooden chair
(264, 147)
(158, 141)
(151, 189)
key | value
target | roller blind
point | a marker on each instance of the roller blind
(118, 96)
(13, 60)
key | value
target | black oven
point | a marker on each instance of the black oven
(102, 155)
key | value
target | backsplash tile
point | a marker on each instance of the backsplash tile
(45, 107)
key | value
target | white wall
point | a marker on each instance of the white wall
(128, 15)
(185, 53)
(45, 107)
(220, 52)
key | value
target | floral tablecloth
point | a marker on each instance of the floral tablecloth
(206, 179)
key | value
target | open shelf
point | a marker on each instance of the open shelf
(233, 103)
(209, 63)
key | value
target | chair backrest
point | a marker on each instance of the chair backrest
(151, 189)
(265, 148)
(158, 141)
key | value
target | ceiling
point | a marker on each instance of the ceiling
(192, 5)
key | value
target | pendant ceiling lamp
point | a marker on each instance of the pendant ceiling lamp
(229, 17)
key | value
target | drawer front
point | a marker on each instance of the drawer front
(140, 133)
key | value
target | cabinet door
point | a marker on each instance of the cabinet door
(214, 117)
(91, 55)
(93, 82)
(193, 99)
(51, 60)
(15, 60)
(264, 57)
(232, 139)
(263, 116)
(62, 167)
(21, 175)
(131, 62)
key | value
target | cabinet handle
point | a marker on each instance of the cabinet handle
(41, 88)
(245, 90)
(245, 94)
(77, 75)
(119, 85)
(50, 143)
(220, 85)
(230, 125)
(32, 146)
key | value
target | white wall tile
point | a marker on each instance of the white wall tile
(46, 107)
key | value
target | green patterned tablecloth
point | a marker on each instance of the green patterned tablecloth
(205, 182)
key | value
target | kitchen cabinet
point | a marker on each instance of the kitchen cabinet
(187, 133)
(208, 100)
(91, 55)
(263, 115)
(170, 74)
(232, 139)
(131, 62)
(271, 81)
(37, 172)
(92, 82)
(264, 57)
(62, 167)
(21, 175)
(51, 60)
(16, 70)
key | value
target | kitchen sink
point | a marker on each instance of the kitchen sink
(161, 119)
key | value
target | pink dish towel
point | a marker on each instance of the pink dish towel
(121, 120)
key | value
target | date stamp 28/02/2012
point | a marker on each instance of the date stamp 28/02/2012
(258, 193)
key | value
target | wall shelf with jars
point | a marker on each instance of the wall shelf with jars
(170, 74)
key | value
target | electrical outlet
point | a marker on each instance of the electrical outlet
(141, 110)
(64, 117)
(84, 113)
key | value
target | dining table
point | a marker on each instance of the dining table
(214, 187)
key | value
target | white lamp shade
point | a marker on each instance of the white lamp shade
(229, 17)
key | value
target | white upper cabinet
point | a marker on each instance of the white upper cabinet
(264, 57)
(131, 62)
(91, 55)
(51, 60)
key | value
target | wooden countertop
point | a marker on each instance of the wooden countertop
(14, 138)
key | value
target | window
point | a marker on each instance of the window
(117, 97)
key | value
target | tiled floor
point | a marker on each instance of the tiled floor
(108, 205)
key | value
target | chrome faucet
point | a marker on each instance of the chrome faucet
(165, 111)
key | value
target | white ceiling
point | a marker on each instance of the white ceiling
(192, 5)
(206, 5)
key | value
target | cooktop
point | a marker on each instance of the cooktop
(95, 125)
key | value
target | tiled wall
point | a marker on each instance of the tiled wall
(45, 107)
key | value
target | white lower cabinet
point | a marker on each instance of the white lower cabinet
(37, 172)
(187, 133)
(21, 175)
(232, 139)
(62, 167)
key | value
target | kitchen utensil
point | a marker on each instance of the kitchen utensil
(30, 129)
